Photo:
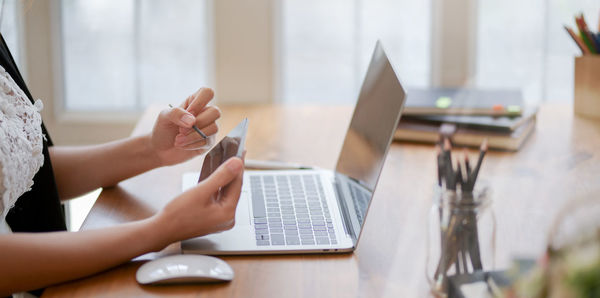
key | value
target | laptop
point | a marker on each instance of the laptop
(317, 210)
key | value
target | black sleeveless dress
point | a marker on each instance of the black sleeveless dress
(38, 210)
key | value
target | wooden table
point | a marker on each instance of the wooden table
(559, 163)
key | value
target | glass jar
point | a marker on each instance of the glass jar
(461, 236)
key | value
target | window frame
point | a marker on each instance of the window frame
(42, 37)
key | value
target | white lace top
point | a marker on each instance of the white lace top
(21, 144)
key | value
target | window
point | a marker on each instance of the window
(531, 51)
(326, 45)
(123, 55)
(405, 28)
(9, 26)
(318, 54)
(126, 54)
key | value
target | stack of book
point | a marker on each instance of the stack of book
(470, 115)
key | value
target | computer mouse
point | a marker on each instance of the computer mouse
(184, 269)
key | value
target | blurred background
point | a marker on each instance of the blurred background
(102, 62)
(97, 64)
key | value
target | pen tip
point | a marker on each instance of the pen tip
(484, 145)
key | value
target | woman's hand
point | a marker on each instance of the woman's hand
(207, 208)
(66, 256)
(173, 139)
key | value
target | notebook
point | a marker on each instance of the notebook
(479, 122)
(463, 101)
(316, 211)
(426, 132)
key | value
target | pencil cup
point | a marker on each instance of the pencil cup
(461, 236)
(587, 86)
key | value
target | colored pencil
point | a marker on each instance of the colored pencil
(585, 34)
(584, 49)
(590, 34)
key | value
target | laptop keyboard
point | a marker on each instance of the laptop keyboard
(361, 202)
(290, 210)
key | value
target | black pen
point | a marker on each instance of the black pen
(467, 164)
(440, 164)
(196, 128)
(449, 172)
(459, 176)
(473, 177)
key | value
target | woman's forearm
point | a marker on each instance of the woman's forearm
(81, 169)
(31, 261)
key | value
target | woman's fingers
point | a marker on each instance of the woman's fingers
(228, 198)
(180, 117)
(189, 138)
(192, 137)
(213, 200)
(225, 174)
(208, 116)
(196, 102)
(230, 194)
(195, 112)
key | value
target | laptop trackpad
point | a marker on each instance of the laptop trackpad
(234, 240)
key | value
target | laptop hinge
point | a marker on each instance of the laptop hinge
(344, 211)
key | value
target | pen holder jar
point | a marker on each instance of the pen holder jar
(587, 86)
(461, 236)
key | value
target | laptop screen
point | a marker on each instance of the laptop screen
(375, 119)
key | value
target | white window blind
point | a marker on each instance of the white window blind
(126, 54)
(325, 46)
(531, 51)
(9, 26)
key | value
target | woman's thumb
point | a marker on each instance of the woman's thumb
(224, 174)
